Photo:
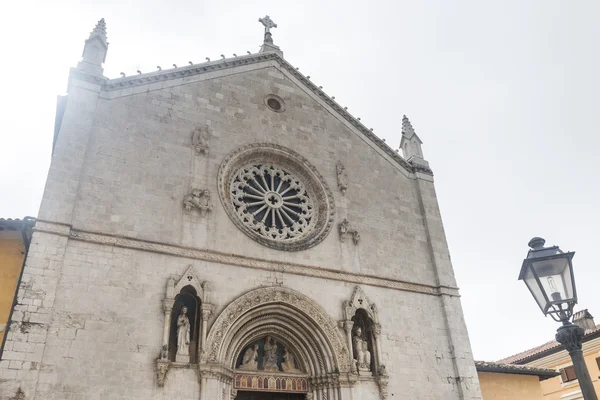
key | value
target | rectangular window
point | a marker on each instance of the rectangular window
(568, 374)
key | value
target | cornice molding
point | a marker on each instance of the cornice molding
(242, 261)
(211, 66)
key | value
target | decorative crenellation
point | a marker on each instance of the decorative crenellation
(198, 199)
(348, 230)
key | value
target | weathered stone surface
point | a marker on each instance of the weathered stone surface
(89, 322)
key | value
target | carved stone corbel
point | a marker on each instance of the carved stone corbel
(162, 366)
(233, 394)
(383, 380)
(348, 230)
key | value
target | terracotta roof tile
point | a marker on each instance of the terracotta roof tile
(524, 355)
(487, 366)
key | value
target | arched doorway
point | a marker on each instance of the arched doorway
(268, 396)
(280, 345)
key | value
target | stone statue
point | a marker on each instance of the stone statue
(362, 355)
(270, 355)
(183, 337)
(164, 352)
(200, 141)
(342, 178)
(347, 229)
(200, 199)
(250, 359)
(288, 364)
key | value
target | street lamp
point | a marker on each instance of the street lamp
(548, 274)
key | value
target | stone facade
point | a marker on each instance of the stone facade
(115, 229)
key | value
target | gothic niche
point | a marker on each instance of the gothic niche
(269, 355)
(187, 310)
(363, 334)
(362, 341)
(185, 327)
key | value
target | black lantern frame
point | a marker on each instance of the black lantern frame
(540, 258)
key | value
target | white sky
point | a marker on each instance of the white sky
(504, 95)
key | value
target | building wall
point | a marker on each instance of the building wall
(122, 165)
(497, 386)
(555, 389)
(12, 252)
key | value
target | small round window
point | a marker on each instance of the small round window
(275, 103)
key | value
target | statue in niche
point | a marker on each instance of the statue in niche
(289, 364)
(183, 337)
(250, 359)
(270, 355)
(362, 355)
(200, 141)
(342, 178)
(200, 199)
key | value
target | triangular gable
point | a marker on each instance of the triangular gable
(174, 77)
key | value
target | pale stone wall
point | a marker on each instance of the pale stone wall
(89, 321)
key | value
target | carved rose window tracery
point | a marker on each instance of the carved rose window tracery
(271, 201)
(276, 197)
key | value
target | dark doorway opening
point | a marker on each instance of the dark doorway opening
(269, 396)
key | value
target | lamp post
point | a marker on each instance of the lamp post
(548, 274)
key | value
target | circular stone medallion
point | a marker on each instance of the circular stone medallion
(276, 197)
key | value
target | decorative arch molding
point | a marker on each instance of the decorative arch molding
(293, 316)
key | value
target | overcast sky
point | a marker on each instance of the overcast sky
(504, 95)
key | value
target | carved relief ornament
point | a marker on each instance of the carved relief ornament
(200, 139)
(348, 230)
(198, 199)
(342, 177)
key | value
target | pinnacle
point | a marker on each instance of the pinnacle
(99, 31)
(407, 128)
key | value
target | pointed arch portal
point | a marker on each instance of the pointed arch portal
(291, 319)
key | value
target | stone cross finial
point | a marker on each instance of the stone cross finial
(267, 23)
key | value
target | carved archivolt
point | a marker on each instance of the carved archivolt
(286, 315)
(276, 197)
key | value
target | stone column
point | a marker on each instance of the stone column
(206, 311)
(377, 347)
(348, 327)
(168, 309)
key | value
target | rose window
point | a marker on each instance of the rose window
(271, 202)
(276, 197)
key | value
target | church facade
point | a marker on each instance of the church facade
(227, 230)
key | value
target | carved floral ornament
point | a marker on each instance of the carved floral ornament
(276, 197)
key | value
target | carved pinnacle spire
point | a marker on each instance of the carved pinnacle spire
(99, 31)
(94, 51)
(411, 144)
(407, 128)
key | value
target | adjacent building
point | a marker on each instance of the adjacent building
(227, 230)
(552, 355)
(15, 236)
